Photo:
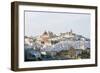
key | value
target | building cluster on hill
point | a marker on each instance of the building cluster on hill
(50, 43)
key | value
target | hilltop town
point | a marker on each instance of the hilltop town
(50, 46)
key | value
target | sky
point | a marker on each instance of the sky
(36, 22)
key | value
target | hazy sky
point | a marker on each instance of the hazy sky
(37, 22)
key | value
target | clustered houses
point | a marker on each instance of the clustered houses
(51, 43)
(44, 39)
(47, 38)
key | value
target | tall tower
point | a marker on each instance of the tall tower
(71, 31)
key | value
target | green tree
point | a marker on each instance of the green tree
(84, 54)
